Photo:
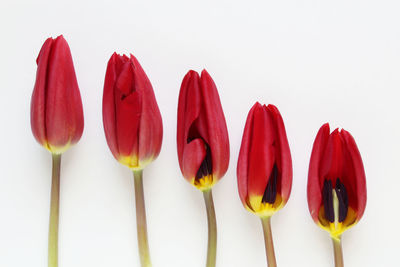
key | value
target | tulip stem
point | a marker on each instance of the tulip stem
(269, 243)
(141, 224)
(54, 211)
(337, 248)
(212, 229)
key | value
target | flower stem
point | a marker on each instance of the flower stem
(212, 229)
(141, 220)
(269, 243)
(54, 212)
(337, 248)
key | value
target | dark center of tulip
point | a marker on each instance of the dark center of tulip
(328, 199)
(206, 166)
(270, 191)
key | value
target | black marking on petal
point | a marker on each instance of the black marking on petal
(341, 193)
(270, 191)
(327, 198)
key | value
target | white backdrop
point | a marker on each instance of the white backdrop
(317, 61)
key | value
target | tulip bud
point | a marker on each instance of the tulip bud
(336, 189)
(264, 167)
(56, 106)
(202, 135)
(131, 118)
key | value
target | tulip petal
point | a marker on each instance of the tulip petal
(283, 157)
(193, 155)
(262, 152)
(150, 130)
(332, 159)
(217, 137)
(113, 67)
(38, 102)
(243, 160)
(358, 181)
(125, 82)
(314, 186)
(64, 114)
(188, 111)
(128, 105)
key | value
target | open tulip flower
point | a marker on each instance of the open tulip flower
(264, 168)
(203, 144)
(336, 189)
(133, 128)
(56, 118)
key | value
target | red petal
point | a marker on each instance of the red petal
(188, 111)
(128, 111)
(193, 155)
(38, 101)
(113, 68)
(283, 157)
(332, 159)
(243, 160)
(125, 82)
(314, 184)
(151, 129)
(262, 152)
(357, 181)
(64, 114)
(217, 138)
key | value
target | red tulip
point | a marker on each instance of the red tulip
(56, 106)
(131, 118)
(336, 187)
(202, 136)
(264, 167)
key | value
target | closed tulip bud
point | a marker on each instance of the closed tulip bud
(336, 189)
(264, 167)
(56, 106)
(131, 118)
(202, 135)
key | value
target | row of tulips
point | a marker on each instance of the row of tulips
(336, 188)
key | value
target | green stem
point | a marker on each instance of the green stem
(141, 220)
(212, 229)
(337, 248)
(54, 212)
(269, 243)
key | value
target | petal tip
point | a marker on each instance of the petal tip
(325, 125)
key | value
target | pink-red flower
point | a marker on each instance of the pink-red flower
(264, 167)
(202, 135)
(56, 105)
(131, 118)
(336, 187)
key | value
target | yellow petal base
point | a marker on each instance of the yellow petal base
(133, 162)
(263, 210)
(336, 229)
(205, 183)
(57, 150)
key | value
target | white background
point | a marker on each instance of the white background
(317, 61)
